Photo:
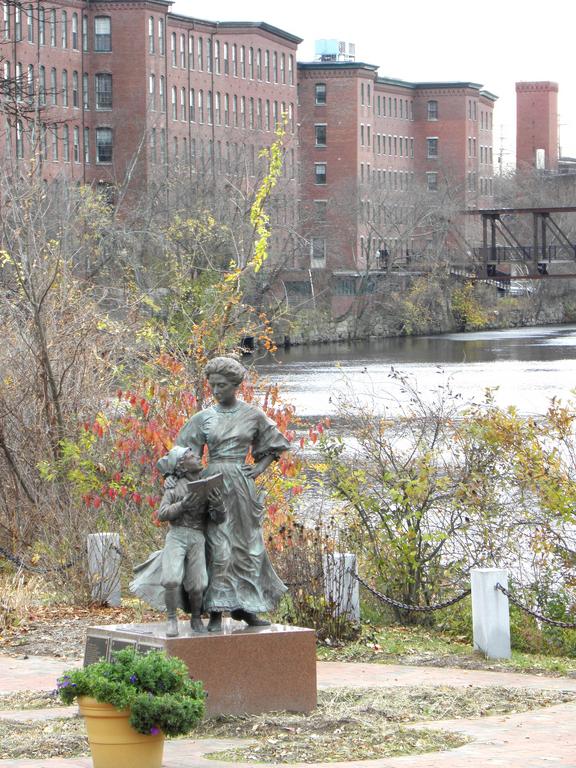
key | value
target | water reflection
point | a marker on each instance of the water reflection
(527, 365)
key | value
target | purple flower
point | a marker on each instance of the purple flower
(154, 730)
(133, 678)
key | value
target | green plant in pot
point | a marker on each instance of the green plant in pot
(131, 703)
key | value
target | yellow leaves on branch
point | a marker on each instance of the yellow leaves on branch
(199, 229)
(259, 219)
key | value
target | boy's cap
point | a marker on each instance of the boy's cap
(167, 464)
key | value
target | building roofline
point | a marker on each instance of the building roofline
(394, 81)
(165, 3)
(264, 26)
(429, 85)
(325, 65)
(536, 85)
(449, 84)
(380, 80)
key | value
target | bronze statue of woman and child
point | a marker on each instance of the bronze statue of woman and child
(214, 559)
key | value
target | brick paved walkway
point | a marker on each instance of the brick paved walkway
(539, 739)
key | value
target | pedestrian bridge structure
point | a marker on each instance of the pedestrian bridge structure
(523, 244)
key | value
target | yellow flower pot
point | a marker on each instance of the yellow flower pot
(113, 741)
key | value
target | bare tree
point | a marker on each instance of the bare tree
(58, 355)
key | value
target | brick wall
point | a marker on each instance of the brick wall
(536, 124)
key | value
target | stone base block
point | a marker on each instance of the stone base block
(244, 669)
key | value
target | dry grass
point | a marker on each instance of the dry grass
(364, 724)
(60, 630)
(348, 725)
(348, 742)
(20, 700)
(395, 644)
(18, 594)
(63, 737)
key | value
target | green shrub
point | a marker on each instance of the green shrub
(527, 634)
(155, 688)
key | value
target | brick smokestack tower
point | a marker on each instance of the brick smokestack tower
(537, 126)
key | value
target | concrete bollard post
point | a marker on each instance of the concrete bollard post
(340, 587)
(104, 567)
(490, 613)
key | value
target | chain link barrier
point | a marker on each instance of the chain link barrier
(18, 561)
(530, 612)
(406, 606)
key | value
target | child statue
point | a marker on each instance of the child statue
(183, 559)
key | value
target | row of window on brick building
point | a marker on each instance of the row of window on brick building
(386, 106)
(483, 185)
(486, 156)
(221, 109)
(28, 88)
(401, 108)
(36, 20)
(64, 141)
(392, 179)
(485, 117)
(200, 53)
(230, 158)
(432, 150)
(387, 179)
(221, 58)
(401, 146)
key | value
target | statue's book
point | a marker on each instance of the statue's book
(203, 486)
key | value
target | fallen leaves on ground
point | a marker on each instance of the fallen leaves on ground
(60, 630)
(348, 724)
(346, 743)
(364, 723)
(63, 737)
(29, 700)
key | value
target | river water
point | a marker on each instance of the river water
(527, 366)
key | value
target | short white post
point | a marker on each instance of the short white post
(490, 613)
(104, 567)
(340, 587)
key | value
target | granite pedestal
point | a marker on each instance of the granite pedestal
(244, 669)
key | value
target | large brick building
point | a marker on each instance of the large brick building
(124, 87)
(107, 90)
(370, 142)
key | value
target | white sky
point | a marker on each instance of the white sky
(492, 42)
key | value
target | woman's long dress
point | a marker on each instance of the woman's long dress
(240, 572)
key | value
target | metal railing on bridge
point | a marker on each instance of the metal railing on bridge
(526, 253)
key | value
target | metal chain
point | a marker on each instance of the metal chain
(34, 569)
(406, 606)
(530, 612)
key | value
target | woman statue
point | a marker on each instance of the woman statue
(241, 577)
